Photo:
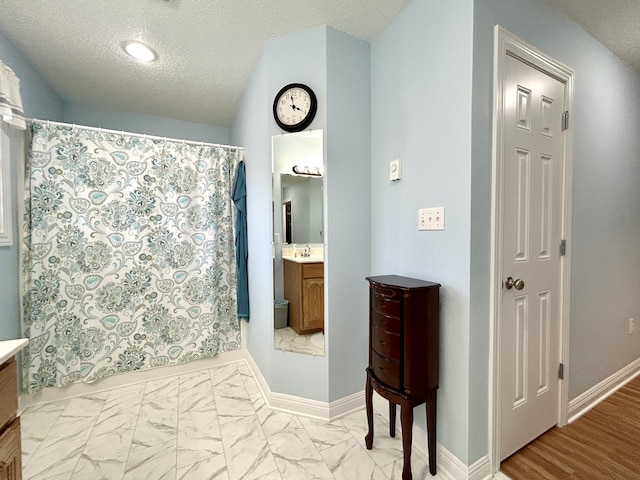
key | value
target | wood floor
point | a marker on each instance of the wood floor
(602, 444)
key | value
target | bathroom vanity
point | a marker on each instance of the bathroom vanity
(10, 446)
(304, 289)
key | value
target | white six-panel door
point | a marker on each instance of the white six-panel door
(531, 263)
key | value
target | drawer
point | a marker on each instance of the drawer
(386, 322)
(382, 304)
(387, 293)
(388, 372)
(8, 392)
(386, 344)
(313, 270)
(10, 452)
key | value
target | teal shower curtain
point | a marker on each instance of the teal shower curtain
(129, 259)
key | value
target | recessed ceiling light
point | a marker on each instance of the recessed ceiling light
(139, 51)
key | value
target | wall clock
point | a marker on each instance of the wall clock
(294, 107)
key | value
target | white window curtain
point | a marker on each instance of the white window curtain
(11, 118)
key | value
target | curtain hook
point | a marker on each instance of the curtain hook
(48, 125)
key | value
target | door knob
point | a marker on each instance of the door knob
(510, 282)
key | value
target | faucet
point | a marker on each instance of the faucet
(307, 251)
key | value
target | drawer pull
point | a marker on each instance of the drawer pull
(382, 342)
(386, 292)
(380, 368)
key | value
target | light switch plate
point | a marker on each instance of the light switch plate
(394, 169)
(431, 218)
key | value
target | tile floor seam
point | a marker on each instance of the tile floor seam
(367, 451)
(255, 413)
(75, 466)
(126, 463)
(33, 454)
(178, 423)
(317, 450)
(225, 448)
(215, 406)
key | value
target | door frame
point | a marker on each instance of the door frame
(507, 44)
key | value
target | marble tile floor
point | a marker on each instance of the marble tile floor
(208, 424)
(288, 340)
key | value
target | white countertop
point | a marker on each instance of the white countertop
(311, 259)
(8, 348)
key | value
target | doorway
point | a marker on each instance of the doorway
(530, 245)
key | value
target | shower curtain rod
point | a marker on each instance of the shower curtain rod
(122, 132)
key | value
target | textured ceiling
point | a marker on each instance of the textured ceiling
(208, 48)
(616, 23)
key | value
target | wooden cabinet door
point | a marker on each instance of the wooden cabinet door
(10, 453)
(313, 303)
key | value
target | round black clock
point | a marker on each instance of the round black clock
(294, 107)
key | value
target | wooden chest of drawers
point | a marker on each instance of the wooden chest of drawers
(403, 354)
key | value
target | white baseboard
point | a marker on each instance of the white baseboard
(501, 476)
(589, 399)
(303, 406)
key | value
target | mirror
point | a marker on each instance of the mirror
(301, 209)
(298, 241)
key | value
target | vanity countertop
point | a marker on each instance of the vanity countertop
(8, 348)
(311, 259)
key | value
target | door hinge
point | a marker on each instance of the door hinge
(565, 120)
(563, 247)
(561, 371)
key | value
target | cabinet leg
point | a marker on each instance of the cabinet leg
(431, 431)
(392, 419)
(406, 419)
(368, 439)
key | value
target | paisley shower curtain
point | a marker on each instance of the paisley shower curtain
(128, 254)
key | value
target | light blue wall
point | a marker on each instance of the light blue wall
(140, 123)
(336, 67)
(301, 58)
(251, 129)
(421, 114)
(348, 139)
(296, 58)
(606, 194)
(38, 100)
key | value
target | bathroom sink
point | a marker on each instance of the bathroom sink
(311, 259)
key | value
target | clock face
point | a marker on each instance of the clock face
(294, 107)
